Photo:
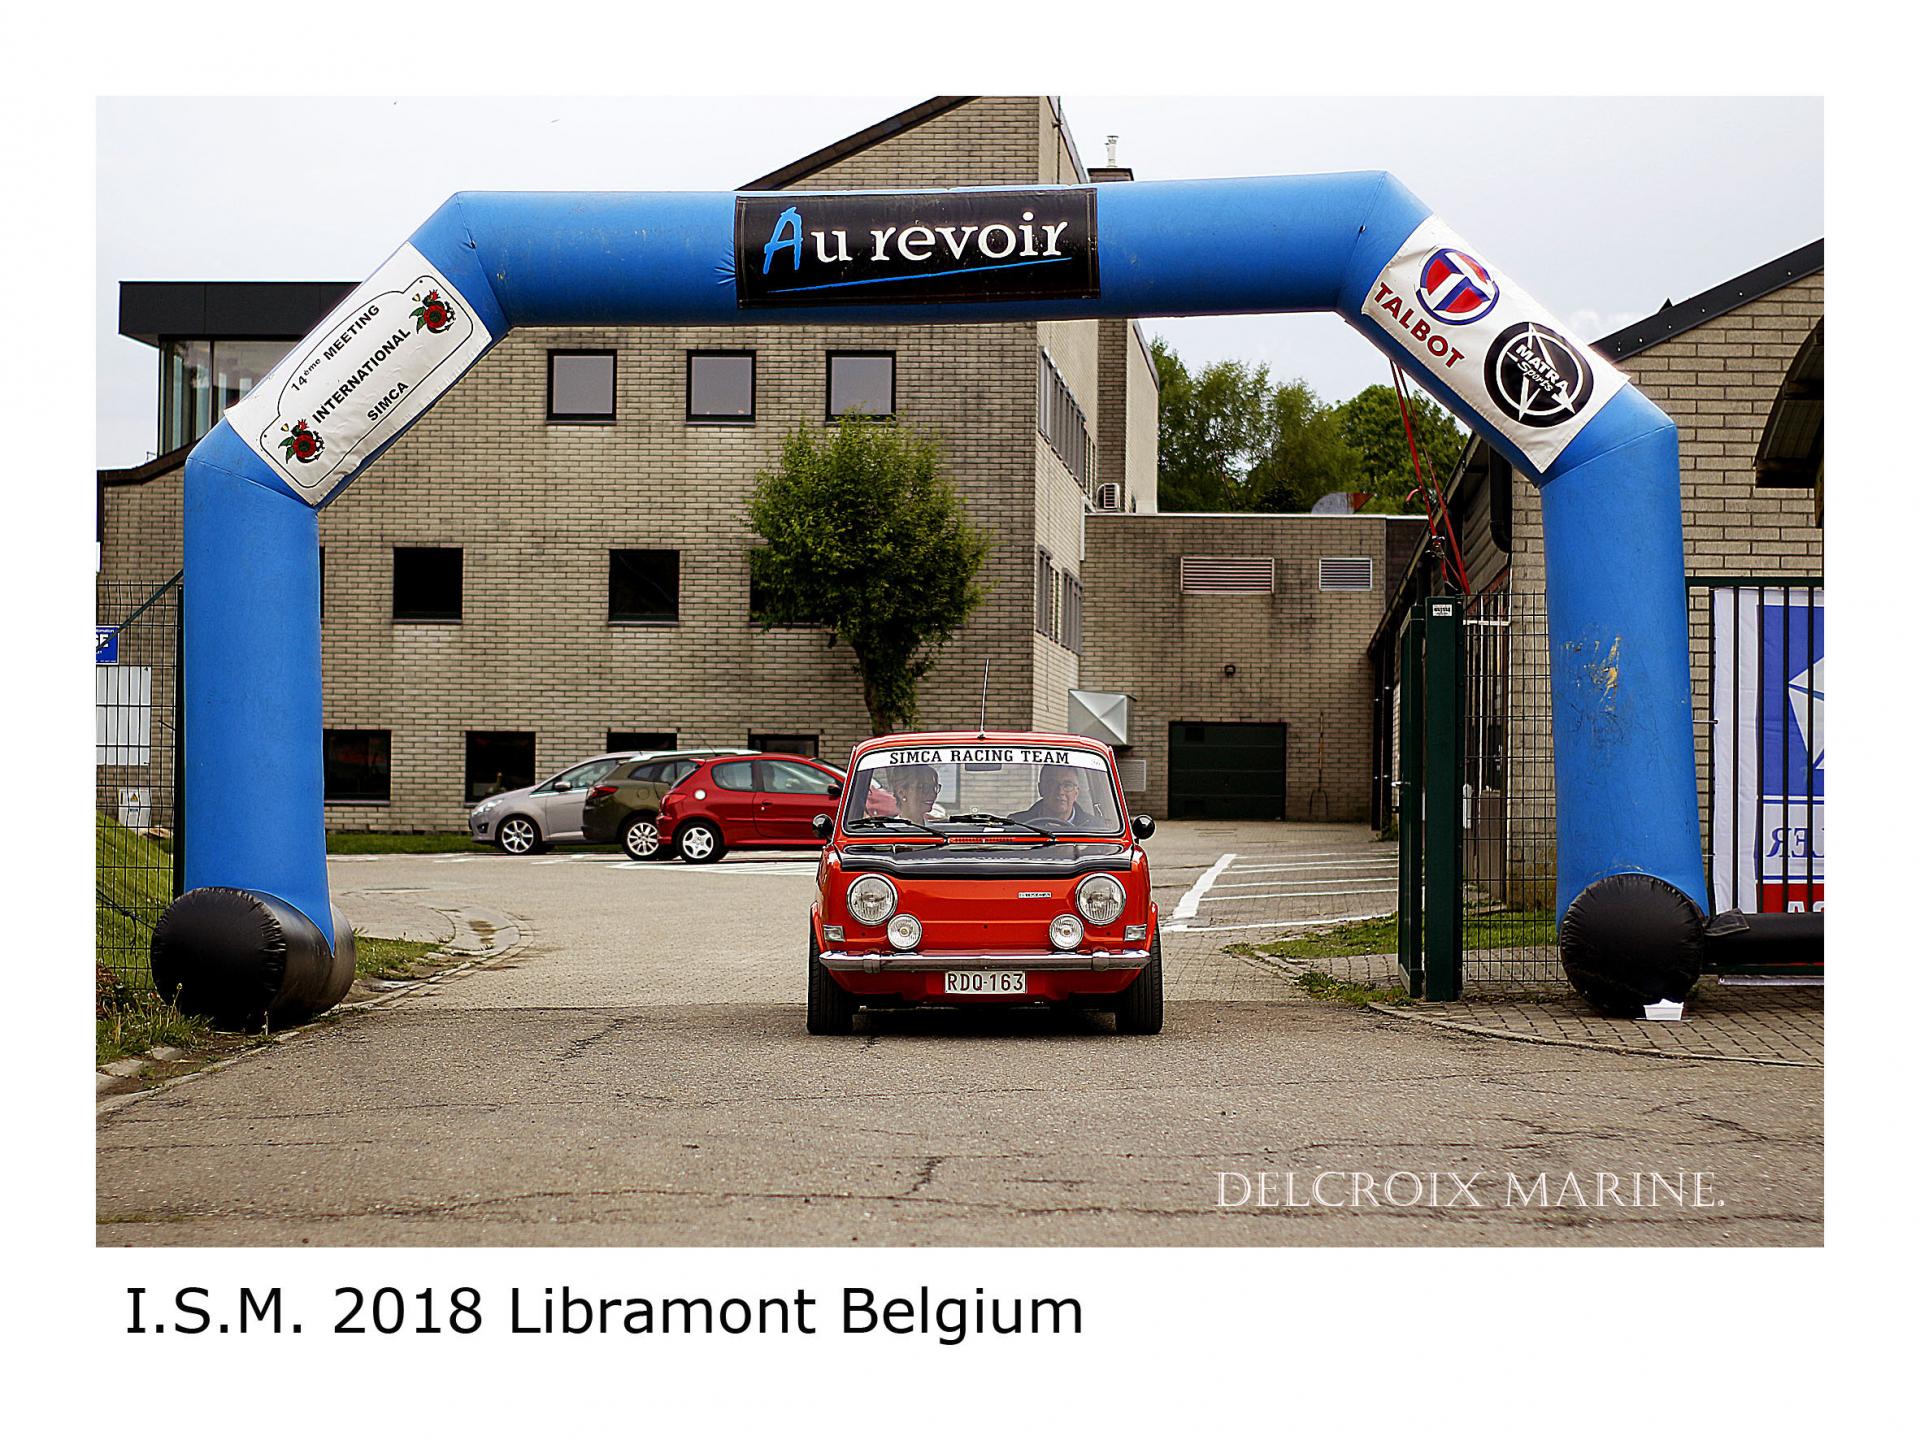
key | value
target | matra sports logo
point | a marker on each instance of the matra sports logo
(1455, 288)
(1537, 376)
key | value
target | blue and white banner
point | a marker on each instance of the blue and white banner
(1769, 749)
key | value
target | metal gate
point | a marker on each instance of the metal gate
(137, 817)
(1508, 941)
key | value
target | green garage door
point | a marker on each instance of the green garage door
(1226, 772)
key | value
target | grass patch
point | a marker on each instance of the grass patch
(1322, 986)
(1519, 929)
(1354, 937)
(133, 885)
(387, 842)
(135, 1023)
(377, 959)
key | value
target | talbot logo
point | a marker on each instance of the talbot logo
(1036, 894)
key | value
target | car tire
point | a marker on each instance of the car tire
(519, 835)
(699, 842)
(829, 1008)
(1141, 1009)
(641, 838)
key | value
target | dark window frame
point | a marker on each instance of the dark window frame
(615, 739)
(466, 773)
(612, 417)
(756, 741)
(893, 383)
(636, 619)
(753, 388)
(328, 734)
(423, 617)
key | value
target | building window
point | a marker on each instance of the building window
(756, 592)
(359, 766)
(580, 386)
(1070, 612)
(808, 745)
(641, 739)
(859, 380)
(498, 761)
(1044, 618)
(1063, 425)
(199, 379)
(643, 587)
(720, 386)
(426, 584)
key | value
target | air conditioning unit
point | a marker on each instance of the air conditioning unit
(1107, 496)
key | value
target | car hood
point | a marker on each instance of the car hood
(505, 797)
(967, 859)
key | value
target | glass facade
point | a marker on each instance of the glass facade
(199, 379)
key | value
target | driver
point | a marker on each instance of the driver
(1059, 805)
(914, 789)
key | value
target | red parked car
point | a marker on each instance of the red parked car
(744, 802)
(983, 869)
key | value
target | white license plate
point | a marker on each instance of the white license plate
(986, 982)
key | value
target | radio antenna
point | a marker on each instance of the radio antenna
(984, 673)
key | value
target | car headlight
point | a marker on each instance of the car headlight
(871, 898)
(903, 932)
(1065, 932)
(485, 805)
(1100, 898)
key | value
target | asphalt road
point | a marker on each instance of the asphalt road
(638, 1072)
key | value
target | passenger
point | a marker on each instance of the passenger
(1059, 805)
(914, 789)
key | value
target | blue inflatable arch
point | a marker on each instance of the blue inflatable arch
(255, 934)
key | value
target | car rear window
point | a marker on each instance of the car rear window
(737, 775)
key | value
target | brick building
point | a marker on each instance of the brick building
(1739, 369)
(1241, 644)
(556, 559)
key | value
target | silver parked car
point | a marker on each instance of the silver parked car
(536, 816)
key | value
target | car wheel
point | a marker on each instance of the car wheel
(829, 1008)
(699, 843)
(518, 835)
(641, 838)
(1140, 1010)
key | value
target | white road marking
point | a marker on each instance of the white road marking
(1388, 861)
(1280, 924)
(554, 860)
(1189, 905)
(460, 859)
(1306, 880)
(1308, 894)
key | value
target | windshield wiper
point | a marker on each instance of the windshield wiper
(982, 817)
(896, 820)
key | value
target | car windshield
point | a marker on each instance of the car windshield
(1025, 790)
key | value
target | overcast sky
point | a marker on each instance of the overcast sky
(1602, 208)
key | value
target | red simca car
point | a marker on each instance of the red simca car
(983, 869)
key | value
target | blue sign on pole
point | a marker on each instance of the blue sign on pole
(106, 644)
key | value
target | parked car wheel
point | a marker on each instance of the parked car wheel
(641, 838)
(518, 835)
(829, 1008)
(1140, 1010)
(699, 842)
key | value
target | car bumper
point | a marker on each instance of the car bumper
(878, 963)
(480, 829)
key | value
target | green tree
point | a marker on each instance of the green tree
(867, 538)
(1371, 425)
(1306, 455)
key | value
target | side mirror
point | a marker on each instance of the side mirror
(822, 827)
(836, 790)
(560, 785)
(1143, 826)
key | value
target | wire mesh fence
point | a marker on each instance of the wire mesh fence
(1507, 804)
(136, 817)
